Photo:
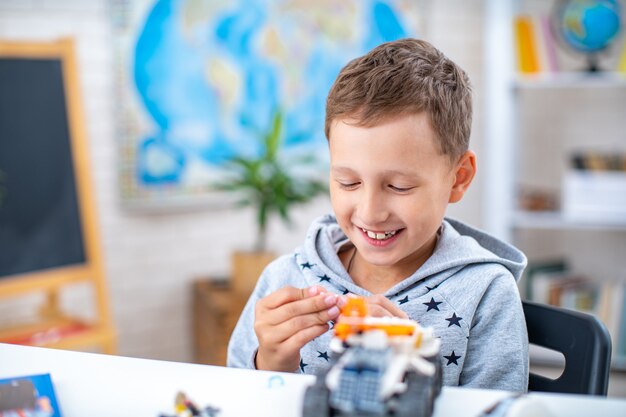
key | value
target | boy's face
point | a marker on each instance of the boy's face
(389, 188)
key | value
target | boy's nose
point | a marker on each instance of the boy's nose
(372, 208)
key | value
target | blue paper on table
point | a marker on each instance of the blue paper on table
(28, 396)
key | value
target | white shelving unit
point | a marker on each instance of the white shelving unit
(504, 142)
(556, 221)
(567, 80)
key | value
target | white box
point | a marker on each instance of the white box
(594, 196)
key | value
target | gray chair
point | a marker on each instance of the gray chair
(581, 338)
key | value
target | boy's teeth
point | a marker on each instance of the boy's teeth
(379, 236)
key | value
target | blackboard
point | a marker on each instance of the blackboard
(48, 234)
(40, 226)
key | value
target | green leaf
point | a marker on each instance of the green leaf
(272, 140)
(266, 183)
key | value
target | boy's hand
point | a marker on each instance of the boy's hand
(288, 319)
(380, 306)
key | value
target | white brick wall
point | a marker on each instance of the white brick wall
(456, 28)
(151, 260)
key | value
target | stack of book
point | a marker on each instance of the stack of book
(553, 283)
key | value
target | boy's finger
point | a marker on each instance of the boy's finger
(298, 323)
(312, 305)
(288, 294)
(385, 304)
(281, 296)
(376, 310)
(285, 330)
(342, 300)
(304, 336)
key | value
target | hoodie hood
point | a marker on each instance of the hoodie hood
(458, 246)
(466, 292)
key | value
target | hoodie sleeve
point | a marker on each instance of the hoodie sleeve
(497, 350)
(243, 343)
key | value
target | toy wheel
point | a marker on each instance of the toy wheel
(438, 378)
(419, 397)
(316, 401)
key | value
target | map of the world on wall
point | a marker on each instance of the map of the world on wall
(199, 82)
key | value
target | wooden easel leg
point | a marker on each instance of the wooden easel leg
(109, 346)
(50, 307)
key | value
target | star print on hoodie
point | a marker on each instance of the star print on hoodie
(466, 291)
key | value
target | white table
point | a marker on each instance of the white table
(97, 385)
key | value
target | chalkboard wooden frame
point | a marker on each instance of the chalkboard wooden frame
(100, 332)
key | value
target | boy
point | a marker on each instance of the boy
(398, 123)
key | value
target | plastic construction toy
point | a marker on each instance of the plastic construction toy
(184, 407)
(381, 366)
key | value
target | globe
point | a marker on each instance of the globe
(588, 26)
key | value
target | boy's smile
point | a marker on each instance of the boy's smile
(390, 186)
(380, 238)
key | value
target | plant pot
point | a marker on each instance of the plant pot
(246, 267)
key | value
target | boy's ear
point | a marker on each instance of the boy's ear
(464, 174)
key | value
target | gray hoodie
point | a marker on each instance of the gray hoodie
(466, 291)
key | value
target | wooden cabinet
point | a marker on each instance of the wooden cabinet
(216, 309)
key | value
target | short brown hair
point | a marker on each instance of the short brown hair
(404, 77)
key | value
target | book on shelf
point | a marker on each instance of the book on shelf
(619, 348)
(526, 43)
(575, 293)
(611, 313)
(552, 283)
(535, 269)
(547, 47)
(562, 289)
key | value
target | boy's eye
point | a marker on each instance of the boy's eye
(400, 189)
(348, 186)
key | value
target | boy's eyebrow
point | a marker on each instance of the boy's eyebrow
(395, 172)
(341, 169)
(388, 172)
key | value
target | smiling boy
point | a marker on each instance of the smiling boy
(398, 123)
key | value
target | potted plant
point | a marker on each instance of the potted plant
(269, 185)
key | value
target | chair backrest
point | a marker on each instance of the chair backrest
(581, 338)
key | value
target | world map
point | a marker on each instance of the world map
(204, 78)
